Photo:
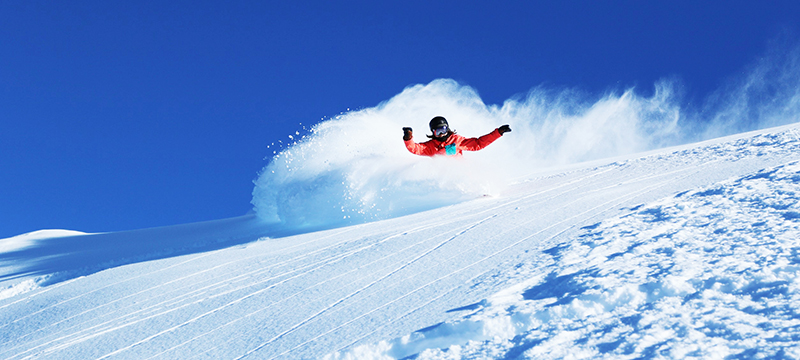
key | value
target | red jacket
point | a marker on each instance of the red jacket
(452, 146)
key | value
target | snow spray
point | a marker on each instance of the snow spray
(354, 168)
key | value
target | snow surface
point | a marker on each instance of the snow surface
(28, 239)
(690, 251)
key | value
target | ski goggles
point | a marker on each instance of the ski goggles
(440, 131)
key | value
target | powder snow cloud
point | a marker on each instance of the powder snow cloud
(353, 168)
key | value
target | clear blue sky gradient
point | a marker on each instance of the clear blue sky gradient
(125, 115)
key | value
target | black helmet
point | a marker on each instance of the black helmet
(440, 129)
(438, 121)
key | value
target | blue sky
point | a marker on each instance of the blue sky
(126, 115)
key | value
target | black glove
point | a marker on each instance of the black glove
(407, 133)
(504, 129)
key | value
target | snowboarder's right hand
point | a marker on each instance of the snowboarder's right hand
(407, 133)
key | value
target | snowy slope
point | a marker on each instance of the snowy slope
(677, 252)
(706, 273)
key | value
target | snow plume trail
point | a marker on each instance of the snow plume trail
(767, 95)
(354, 168)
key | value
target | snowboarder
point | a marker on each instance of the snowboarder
(445, 141)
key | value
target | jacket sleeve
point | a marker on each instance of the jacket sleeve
(475, 144)
(425, 149)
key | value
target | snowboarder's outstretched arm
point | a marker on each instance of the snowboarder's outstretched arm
(475, 144)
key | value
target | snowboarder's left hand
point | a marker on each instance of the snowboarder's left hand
(407, 133)
(504, 129)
